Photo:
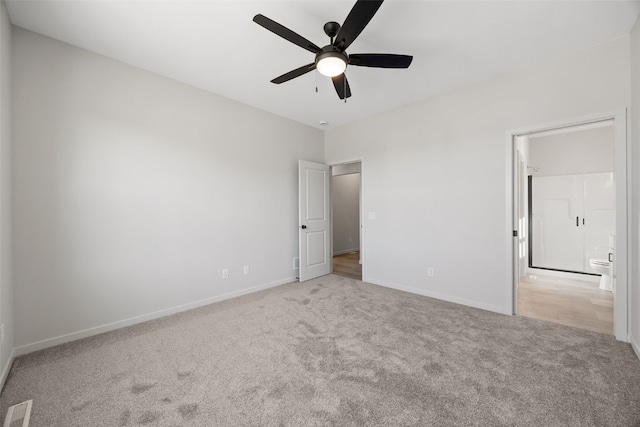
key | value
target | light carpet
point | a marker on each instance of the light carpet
(333, 352)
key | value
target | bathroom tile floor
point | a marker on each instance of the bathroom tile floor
(569, 302)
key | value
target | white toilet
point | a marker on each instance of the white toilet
(602, 267)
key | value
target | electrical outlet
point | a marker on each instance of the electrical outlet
(225, 273)
(430, 272)
(245, 270)
(296, 263)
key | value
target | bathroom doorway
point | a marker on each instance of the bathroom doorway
(569, 264)
(346, 195)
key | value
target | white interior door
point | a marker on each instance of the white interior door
(314, 198)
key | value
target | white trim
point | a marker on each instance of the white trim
(621, 173)
(7, 369)
(636, 348)
(40, 345)
(363, 229)
(512, 273)
(568, 123)
(631, 253)
(622, 311)
(442, 297)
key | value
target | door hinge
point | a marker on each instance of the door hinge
(515, 233)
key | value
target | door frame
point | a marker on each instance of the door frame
(622, 168)
(362, 210)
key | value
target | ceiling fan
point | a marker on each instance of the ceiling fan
(332, 59)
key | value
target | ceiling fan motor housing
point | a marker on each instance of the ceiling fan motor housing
(331, 51)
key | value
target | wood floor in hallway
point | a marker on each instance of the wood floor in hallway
(348, 265)
(569, 302)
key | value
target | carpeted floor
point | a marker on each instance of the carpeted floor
(333, 352)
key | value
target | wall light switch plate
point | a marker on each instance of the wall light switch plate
(245, 270)
(372, 216)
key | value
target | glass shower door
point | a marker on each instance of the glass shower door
(557, 236)
(572, 219)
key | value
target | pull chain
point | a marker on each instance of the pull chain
(345, 88)
(316, 80)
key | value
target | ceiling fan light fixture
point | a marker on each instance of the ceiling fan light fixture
(331, 64)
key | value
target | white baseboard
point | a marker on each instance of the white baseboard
(443, 297)
(50, 342)
(6, 369)
(636, 347)
(346, 251)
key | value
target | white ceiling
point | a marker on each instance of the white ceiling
(214, 45)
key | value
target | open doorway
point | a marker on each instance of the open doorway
(570, 214)
(346, 184)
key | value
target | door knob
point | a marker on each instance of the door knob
(304, 227)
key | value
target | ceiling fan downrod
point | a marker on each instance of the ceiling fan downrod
(331, 29)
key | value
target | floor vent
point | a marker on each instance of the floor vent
(18, 415)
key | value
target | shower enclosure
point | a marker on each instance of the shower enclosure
(571, 220)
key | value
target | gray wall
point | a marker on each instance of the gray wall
(6, 283)
(345, 195)
(583, 151)
(133, 192)
(634, 258)
(438, 172)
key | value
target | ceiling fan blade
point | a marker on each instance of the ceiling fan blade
(342, 86)
(380, 60)
(294, 73)
(358, 18)
(285, 33)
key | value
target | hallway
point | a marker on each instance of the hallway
(348, 265)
